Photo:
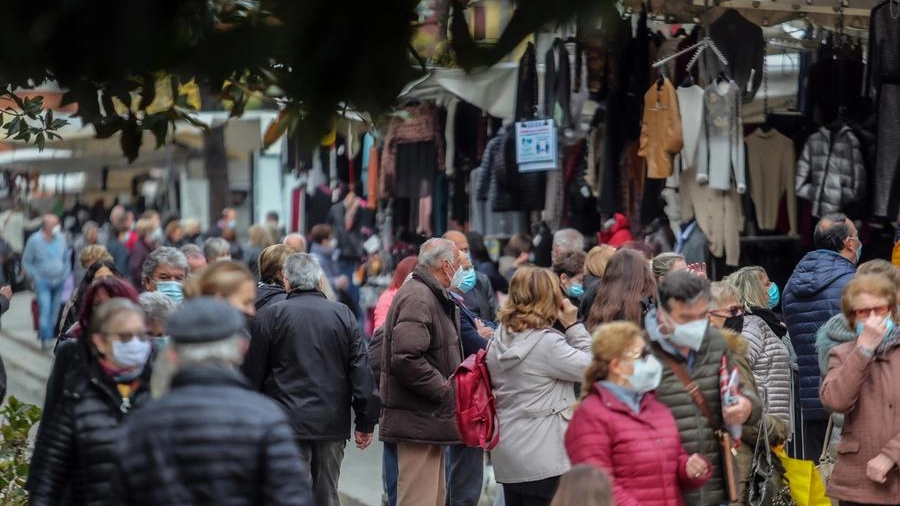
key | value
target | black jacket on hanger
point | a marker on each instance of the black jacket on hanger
(741, 42)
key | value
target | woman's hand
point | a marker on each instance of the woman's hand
(878, 467)
(873, 332)
(696, 466)
(568, 313)
(483, 330)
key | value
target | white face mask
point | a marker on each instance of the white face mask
(691, 334)
(133, 353)
(647, 374)
(57, 229)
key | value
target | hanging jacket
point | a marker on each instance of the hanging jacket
(661, 137)
(831, 172)
(557, 85)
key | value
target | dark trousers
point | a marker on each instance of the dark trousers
(323, 459)
(530, 493)
(464, 468)
(389, 471)
(813, 438)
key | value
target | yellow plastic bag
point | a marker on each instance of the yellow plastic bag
(807, 487)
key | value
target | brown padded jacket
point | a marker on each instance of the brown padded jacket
(661, 137)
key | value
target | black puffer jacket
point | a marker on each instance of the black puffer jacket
(307, 353)
(267, 294)
(210, 441)
(73, 461)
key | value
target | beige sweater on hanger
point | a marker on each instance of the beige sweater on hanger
(771, 160)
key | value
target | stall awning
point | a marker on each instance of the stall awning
(492, 89)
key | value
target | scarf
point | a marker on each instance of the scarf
(771, 320)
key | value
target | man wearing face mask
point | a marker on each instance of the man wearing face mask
(683, 338)
(480, 298)
(228, 220)
(421, 351)
(165, 271)
(811, 297)
(44, 261)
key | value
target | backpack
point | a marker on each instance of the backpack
(476, 409)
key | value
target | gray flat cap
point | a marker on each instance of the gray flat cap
(204, 320)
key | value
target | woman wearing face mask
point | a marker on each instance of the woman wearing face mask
(620, 427)
(229, 280)
(569, 266)
(768, 354)
(73, 461)
(533, 370)
(103, 268)
(861, 384)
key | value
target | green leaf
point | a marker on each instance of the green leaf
(148, 91)
(39, 140)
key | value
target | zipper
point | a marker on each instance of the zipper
(831, 139)
(124, 403)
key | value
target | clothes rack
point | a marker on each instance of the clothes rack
(704, 43)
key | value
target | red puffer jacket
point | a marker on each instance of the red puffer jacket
(642, 453)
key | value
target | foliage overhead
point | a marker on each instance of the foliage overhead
(310, 57)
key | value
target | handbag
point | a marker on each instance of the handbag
(826, 459)
(766, 485)
(728, 451)
(806, 485)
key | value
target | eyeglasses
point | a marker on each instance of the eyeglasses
(127, 336)
(866, 311)
(639, 354)
(729, 312)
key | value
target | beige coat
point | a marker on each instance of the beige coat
(661, 137)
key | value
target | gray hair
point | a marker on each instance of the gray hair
(164, 255)
(216, 247)
(302, 271)
(112, 310)
(157, 307)
(222, 352)
(663, 263)
(192, 251)
(435, 252)
(89, 226)
(568, 239)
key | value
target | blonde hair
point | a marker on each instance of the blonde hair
(584, 485)
(221, 278)
(597, 258)
(611, 341)
(748, 282)
(260, 236)
(870, 284)
(93, 254)
(722, 292)
(534, 299)
(145, 227)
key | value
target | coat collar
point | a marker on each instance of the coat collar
(613, 402)
(209, 375)
(426, 278)
(305, 293)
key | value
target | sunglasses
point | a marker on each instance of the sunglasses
(639, 354)
(866, 311)
(729, 312)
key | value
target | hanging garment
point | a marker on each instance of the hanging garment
(690, 107)
(579, 88)
(595, 151)
(527, 85)
(718, 214)
(883, 78)
(557, 85)
(372, 181)
(421, 125)
(661, 137)
(485, 220)
(721, 161)
(741, 42)
(830, 172)
(771, 160)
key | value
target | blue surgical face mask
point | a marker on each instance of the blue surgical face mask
(171, 289)
(774, 295)
(647, 374)
(132, 353)
(576, 291)
(468, 281)
(888, 323)
(457, 278)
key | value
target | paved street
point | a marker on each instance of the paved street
(27, 369)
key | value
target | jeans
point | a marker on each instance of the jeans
(389, 471)
(49, 298)
(464, 468)
(323, 459)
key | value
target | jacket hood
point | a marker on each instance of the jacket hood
(621, 222)
(266, 292)
(513, 347)
(834, 332)
(817, 271)
(736, 343)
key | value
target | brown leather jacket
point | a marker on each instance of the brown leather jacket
(865, 390)
(421, 349)
(661, 136)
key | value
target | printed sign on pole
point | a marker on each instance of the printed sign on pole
(536, 145)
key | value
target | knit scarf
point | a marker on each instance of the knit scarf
(771, 319)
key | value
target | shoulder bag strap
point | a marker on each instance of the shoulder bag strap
(828, 433)
(691, 386)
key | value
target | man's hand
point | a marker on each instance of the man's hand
(696, 466)
(6, 291)
(738, 413)
(363, 440)
(873, 332)
(568, 313)
(878, 467)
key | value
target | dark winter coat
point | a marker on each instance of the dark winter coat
(482, 300)
(421, 350)
(307, 353)
(211, 442)
(267, 294)
(136, 262)
(74, 458)
(697, 436)
(641, 452)
(811, 297)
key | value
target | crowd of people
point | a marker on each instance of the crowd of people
(186, 376)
